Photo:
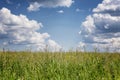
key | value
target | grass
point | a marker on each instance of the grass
(59, 66)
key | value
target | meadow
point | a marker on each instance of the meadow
(59, 66)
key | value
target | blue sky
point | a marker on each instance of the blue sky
(61, 20)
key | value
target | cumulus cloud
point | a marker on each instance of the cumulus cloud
(19, 30)
(53, 45)
(102, 28)
(60, 11)
(36, 4)
(108, 5)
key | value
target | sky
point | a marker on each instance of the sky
(59, 24)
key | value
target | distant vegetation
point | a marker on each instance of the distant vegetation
(59, 66)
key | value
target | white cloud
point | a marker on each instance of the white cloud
(81, 46)
(102, 28)
(79, 10)
(60, 11)
(108, 5)
(19, 30)
(53, 45)
(36, 4)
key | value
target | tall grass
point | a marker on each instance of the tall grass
(59, 66)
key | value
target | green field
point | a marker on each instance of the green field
(59, 66)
